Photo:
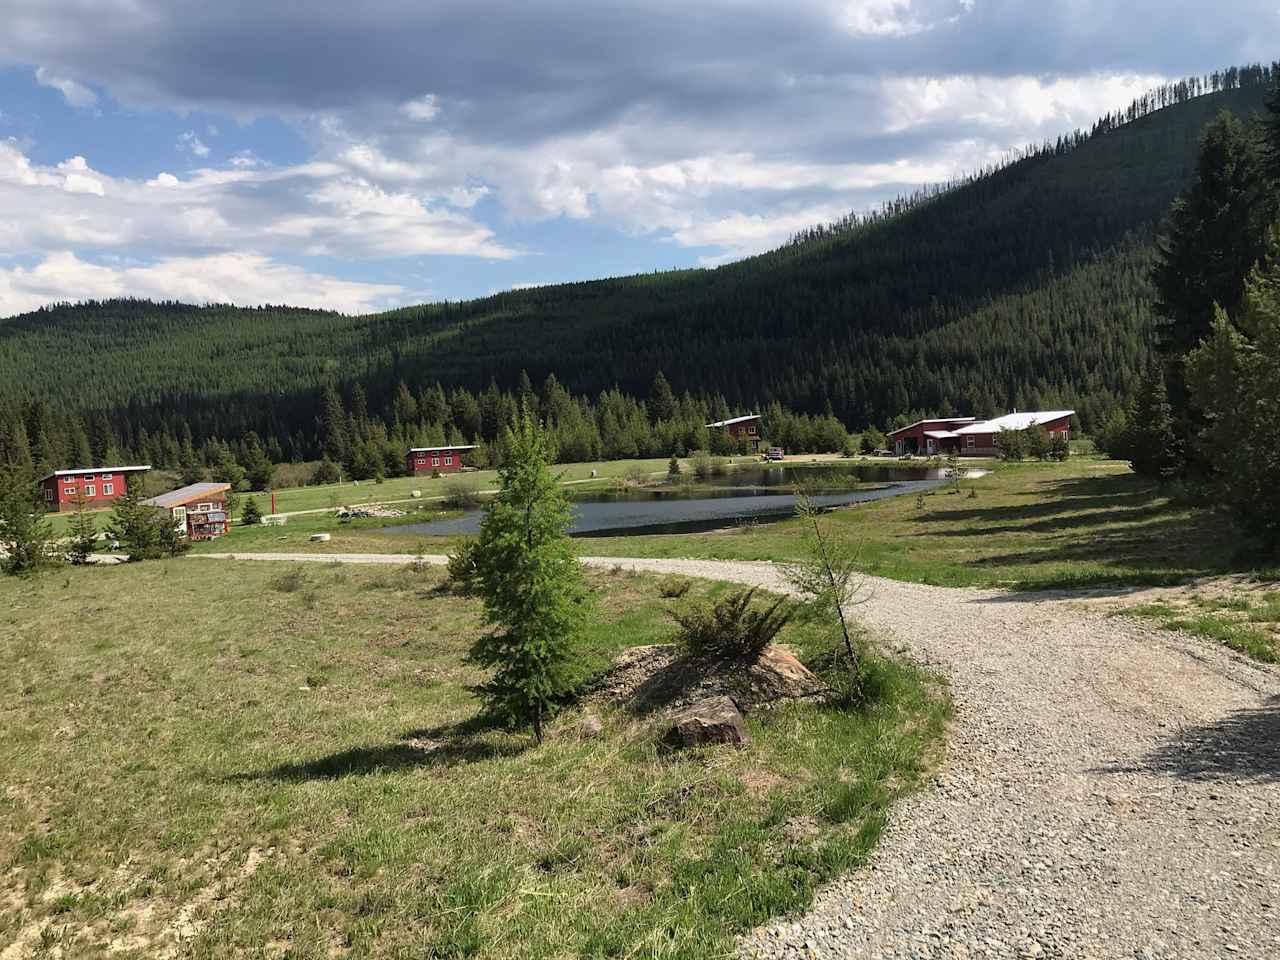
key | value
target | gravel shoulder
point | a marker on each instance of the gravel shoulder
(1110, 789)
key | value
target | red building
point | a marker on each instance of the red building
(969, 437)
(98, 486)
(927, 436)
(741, 428)
(198, 510)
(430, 460)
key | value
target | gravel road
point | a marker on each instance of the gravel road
(1110, 789)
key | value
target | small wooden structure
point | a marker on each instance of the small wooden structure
(199, 510)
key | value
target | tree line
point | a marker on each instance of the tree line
(1205, 412)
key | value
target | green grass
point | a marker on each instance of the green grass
(287, 761)
(1247, 620)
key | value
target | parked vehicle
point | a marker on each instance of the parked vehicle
(774, 453)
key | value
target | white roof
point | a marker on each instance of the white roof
(732, 420)
(1015, 421)
(940, 434)
(932, 420)
(86, 470)
(453, 446)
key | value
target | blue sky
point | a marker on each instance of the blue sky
(365, 156)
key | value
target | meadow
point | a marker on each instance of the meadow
(259, 759)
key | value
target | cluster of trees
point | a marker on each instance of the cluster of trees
(1027, 285)
(1205, 411)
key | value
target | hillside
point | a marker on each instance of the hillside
(1024, 286)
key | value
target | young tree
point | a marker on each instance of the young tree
(956, 469)
(673, 466)
(84, 534)
(252, 513)
(827, 575)
(26, 539)
(530, 582)
(1154, 447)
(1036, 438)
(145, 533)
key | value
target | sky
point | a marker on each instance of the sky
(361, 156)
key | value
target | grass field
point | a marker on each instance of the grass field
(265, 760)
(1085, 522)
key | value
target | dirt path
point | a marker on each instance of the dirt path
(1111, 790)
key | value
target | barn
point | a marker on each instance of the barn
(96, 486)
(430, 460)
(741, 428)
(199, 510)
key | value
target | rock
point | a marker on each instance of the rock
(778, 675)
(416, 494)
(708, 721)
(319, 538)
(590, 727)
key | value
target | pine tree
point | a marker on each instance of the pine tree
(26, 538)
(662, 400)
(531, 585)
(1153, 446)
(84, 534)
(333, 425)
(252, 513)
(1271, 147)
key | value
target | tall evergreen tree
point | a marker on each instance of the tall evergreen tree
(26, 538)
(662, 400)
(1153, 446)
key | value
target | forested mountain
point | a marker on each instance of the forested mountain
(1025, 285)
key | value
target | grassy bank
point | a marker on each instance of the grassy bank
(266, 760)
(1247, 620)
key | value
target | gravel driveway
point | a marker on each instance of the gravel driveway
(1110, 790)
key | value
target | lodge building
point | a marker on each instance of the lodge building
(94, 486)
(741, 428)
(970, 437)
(430, 460)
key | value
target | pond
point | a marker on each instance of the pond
(743, 495)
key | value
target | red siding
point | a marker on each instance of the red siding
(60, 493)
(448, 460)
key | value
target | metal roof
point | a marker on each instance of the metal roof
(454, 446)
(941, 434)
(184, 495)
(932, 420)
(79, 470)
(1016, 421)
(732, 420)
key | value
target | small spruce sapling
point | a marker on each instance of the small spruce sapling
(26, 538)
(252, 513)
(530, 583)
(84, 534)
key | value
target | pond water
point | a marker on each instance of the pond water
(748, 494)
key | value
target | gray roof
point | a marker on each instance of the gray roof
(1015, 421)
(89, 470)
(184, 495)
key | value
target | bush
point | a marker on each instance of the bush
(673, 588)
(731, 628)
(461, 567)
(460, 496)
(290, 581)
(673, 466)
(326, 472)
(701, 465)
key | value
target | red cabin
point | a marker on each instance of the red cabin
(95, 486)
(430, 460)
(741, 428)
(199, 511)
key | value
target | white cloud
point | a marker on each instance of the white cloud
(76, 94)
(246, 159)
(423, 108)
(191, 141)
(247, 279)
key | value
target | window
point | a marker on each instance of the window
(108, 489)
(48, 493)
(435, 461)
(204, 507)
(422, 460)
(970, 441)
(69, 491)
(448, 459)
(90, 490)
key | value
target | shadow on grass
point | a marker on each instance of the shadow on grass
(1066, 496)
(1244, 745)
(470, 741)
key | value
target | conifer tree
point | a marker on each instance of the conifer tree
(531, 585)
(84, 534)
(662, 400)
(1153, 446)
(26, 538)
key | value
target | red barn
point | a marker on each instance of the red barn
(98, 486)
(199, 511)
(927, 436)
(430, 460)
(741, 428)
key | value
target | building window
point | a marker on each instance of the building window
(970, 441)
(435, 461)
(108, 489)
(69, 491)
(204, 507)
(422, 460)
(48, 493)
(448, 459)
(90, 490)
